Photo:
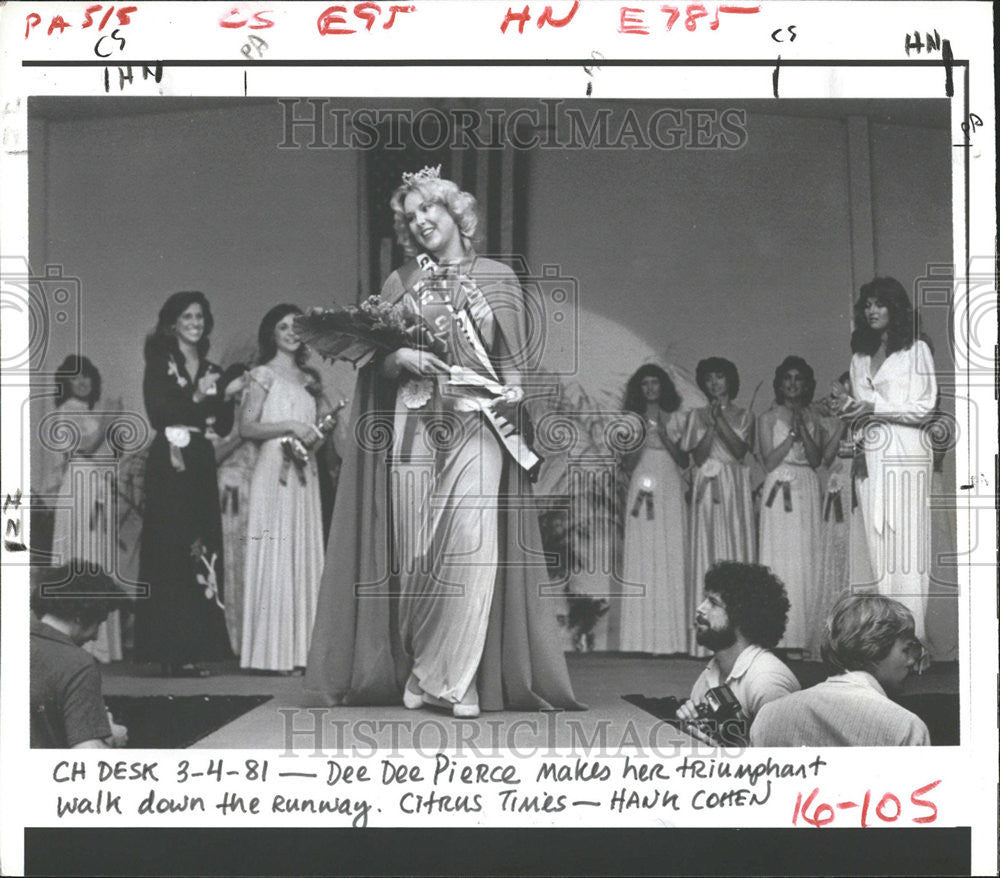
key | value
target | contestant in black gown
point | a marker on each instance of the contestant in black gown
(182, 621)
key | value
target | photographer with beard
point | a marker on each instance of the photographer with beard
(741, 618)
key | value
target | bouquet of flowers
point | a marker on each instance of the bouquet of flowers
(357, 333)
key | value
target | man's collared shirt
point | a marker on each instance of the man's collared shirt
(758, 677)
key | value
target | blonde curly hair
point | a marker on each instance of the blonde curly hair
(461, 205)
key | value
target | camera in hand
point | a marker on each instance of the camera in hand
(721, 717)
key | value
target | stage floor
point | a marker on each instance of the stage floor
(599, 679)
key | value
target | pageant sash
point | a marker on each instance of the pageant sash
(506, 432)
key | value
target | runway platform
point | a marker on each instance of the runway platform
(600, 680)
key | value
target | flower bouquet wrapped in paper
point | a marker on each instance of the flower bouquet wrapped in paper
(359, 332)
(356, 334)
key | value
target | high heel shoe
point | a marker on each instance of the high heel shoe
(412, 700)
(468, 707)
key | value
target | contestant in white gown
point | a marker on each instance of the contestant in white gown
(791, 449)
(655, 619)
(82, 529)
(718, 436)
(236, 459)
(892, 376)
(284, 549)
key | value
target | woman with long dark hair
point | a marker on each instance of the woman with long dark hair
(181, 621)
(431, 590)
(655, 619)
(718, 437)
(284, 548)
(791, 449)
(895, 389)
(82, 530)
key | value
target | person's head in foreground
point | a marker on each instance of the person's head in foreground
(869, 639)
(75, 603)
(742, 603)
(741, 618)
(873, 633)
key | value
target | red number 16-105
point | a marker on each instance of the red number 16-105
(888, 809)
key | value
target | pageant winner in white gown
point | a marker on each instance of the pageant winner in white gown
(459, 620)
(893, 381)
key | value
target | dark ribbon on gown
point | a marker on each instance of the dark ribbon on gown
(646, 496)
(786, 495)
(834, 504)
(231, 500)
